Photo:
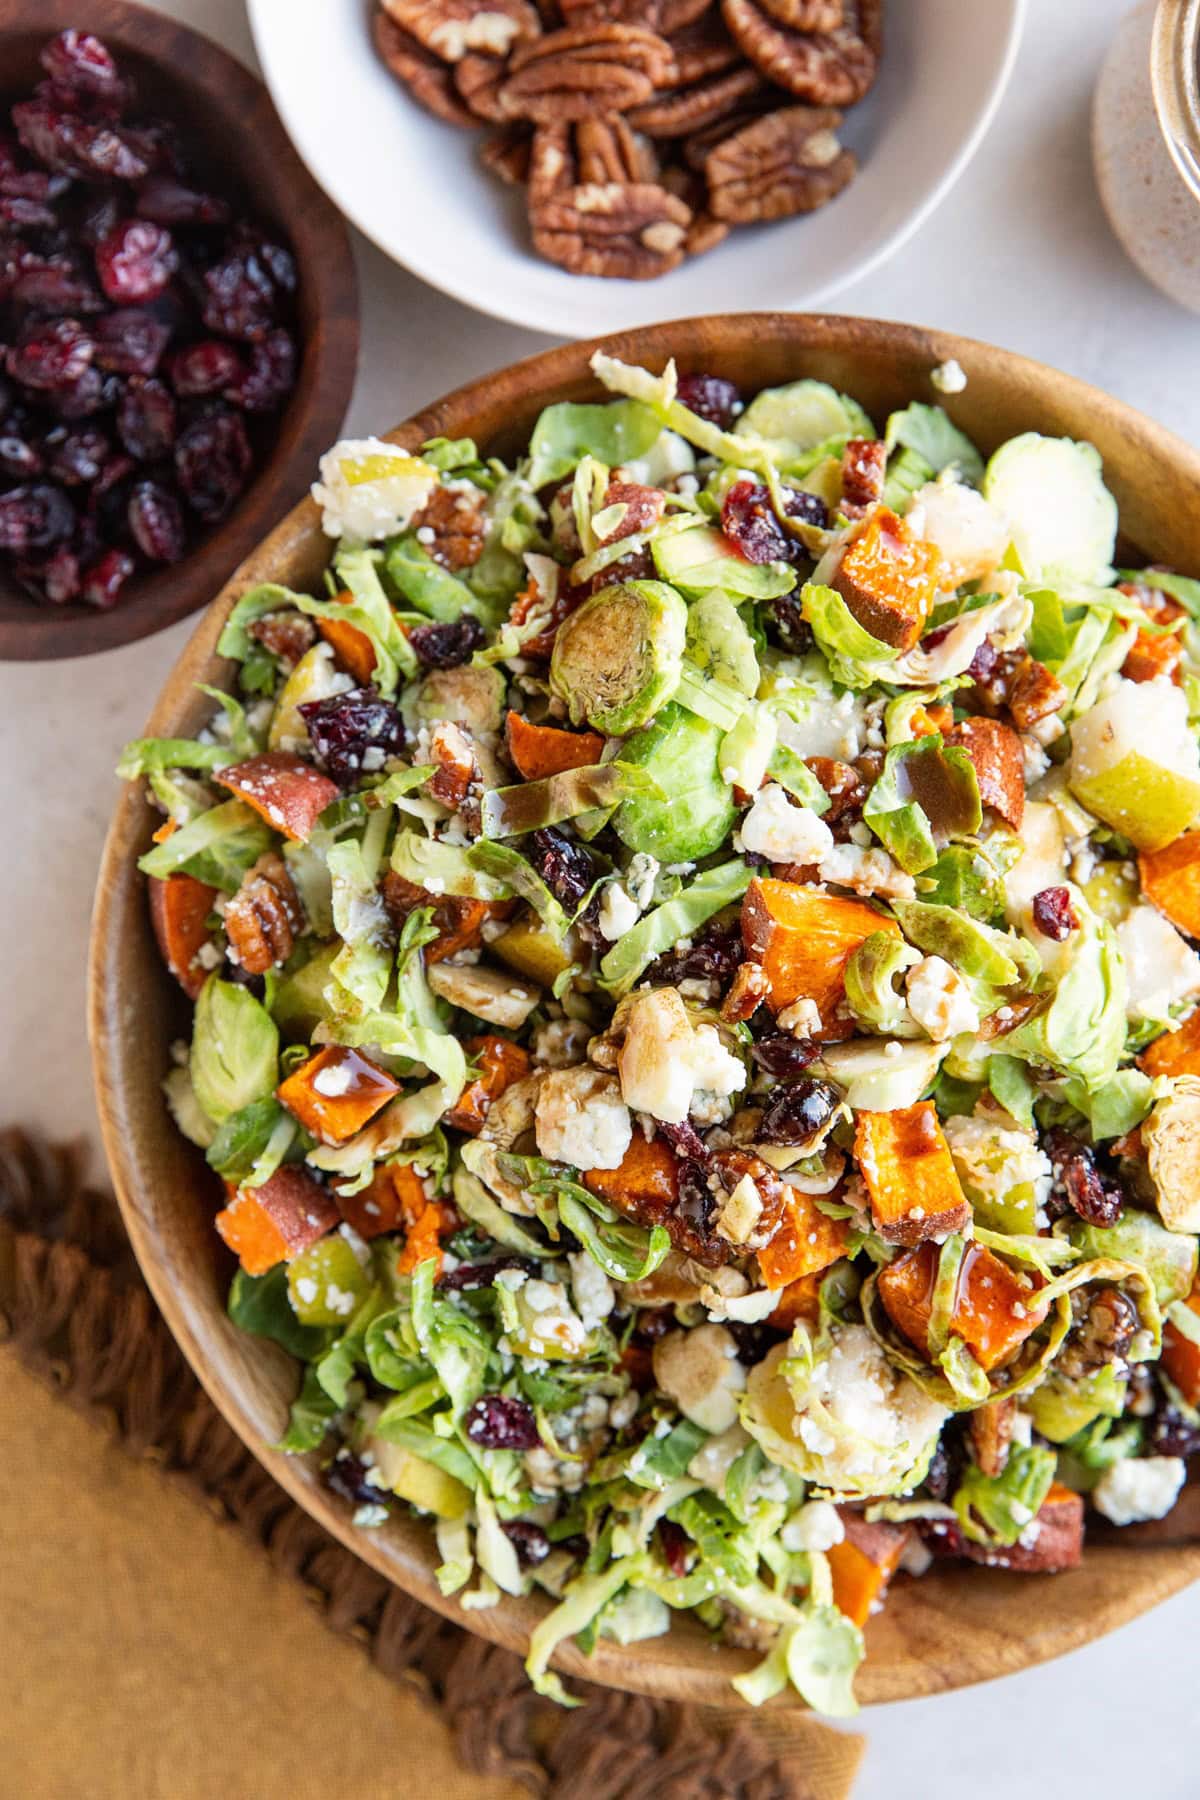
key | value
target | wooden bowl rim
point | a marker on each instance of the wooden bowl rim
(187, 59)
(684, 1665)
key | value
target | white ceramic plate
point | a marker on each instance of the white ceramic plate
(415, 187)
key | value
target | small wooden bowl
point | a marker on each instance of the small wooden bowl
(955, 1625)
(227, 113)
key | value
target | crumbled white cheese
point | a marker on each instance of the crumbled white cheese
(783, 832)
(714, 1068)
(949, 377)
(1139, 1487)
(591, 1290)
(867, 872)
(382, 504)
(740, 1213)
(998, 1163)
(640, 878)
(334, 1080)
(581, 1119)
(559, 1043)
(877, 1409)
(619, 911)
(815, 1526)
(829, 727)
(939, 999)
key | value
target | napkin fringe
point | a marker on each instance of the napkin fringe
(74, 1308)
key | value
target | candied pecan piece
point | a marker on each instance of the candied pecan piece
(643, 508)
(784, 163)
(685, 109)
(833, 68)
(1034, 693)
(457, 769)
(286, 635)
(455, 517)
(264, 917)
(453, 28)
(1104, 1325)
(479, 80)
(991, 1428)
(426, 78)
(675, 14)
(697, 145)
(999, 764)
(607, 150)
(750, 988)
(632, 230)
(864, 469)
(459, 922)
(728, 1169)
(586, 72)
(842, 782)
(508, 154)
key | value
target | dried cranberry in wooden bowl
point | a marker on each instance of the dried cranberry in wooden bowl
(141, 262)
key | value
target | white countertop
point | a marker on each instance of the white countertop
(1020, 255)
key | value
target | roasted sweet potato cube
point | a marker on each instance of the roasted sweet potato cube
(537, 751)
(336, 1092)
(179, 909)
(910, 1174)
(645, 1183)
(423, 1241)
(806, 1243)
(1034, 693)
(803, 939)
(800, 1299)
(288, 792)
(394, 1201)
(251, 1233)
(995, 1308)
(888, 579)
(863, 1563)
(459, 921)
(1051, 1542)
(999, 764)
(1181, 1355)
(1171, 879)
(1175, 1052)
(501, 1062)
(351, 646)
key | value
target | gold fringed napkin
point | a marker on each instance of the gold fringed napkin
(148, 1650)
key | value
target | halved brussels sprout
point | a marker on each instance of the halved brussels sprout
(617, 660)
(693, 811)
(801, 416)
(720, 643)
(882, 1076)
(700, 558)
(1064, 520)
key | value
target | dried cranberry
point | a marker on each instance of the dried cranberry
(61, 140)
(653, 1322)
(710, 397)
(271, 376)
(691, 1222)
(716, 955)
(171, 202)
(1170, 1434)
(60, 578)
(77, 457)
(18, 458)
(347, 1477)
(786, 625)
(528, 1540)
(241, 297)
(353, 733)
(748, 521)
(146, 421)
(54, 285)
(799, 1112)
(52, 355)
(130, 342)
(567, 869)
(676, 1546)
(136, 261)
(212, 461)
(1078, 1180)
(26, 215)
(102, 583)
(79, 62)
(480, 1275)
(34, 518)
(753, 1341)
(446, 646)
(685, 1140)
(1053, 913)
(34, 184)
(205, 368)
(156, 522)
(89, 393)
(501, 1422)
(783, 1056)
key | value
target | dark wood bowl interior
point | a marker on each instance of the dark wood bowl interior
(230, 125)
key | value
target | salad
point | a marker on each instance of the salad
(689, 937)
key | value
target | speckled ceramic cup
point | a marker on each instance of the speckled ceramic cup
(1146, 143)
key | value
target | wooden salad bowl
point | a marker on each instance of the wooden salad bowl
(227, 114)
(954, 1626)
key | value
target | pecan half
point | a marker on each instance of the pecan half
(698, 145)
(632, 230)
(643, 13)
(264, 917)
(786, 162)
(675, 14)
(1035, 692)
(607, 150)
(479, 80)
(451, 28)
(705, 233)
(807, 15)
(286, 635)
(702, 49)
(425, 76)
(834, 68)
(508, 154)
(552, 166)
(687, 109)
(586, 72)
(991, 1429)
(455, 517)
(456, 767)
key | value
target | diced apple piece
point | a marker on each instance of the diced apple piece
(179, 910)
(495, 995)
(807, 1242)
(296, 1207)
(419, 1482)
(537, 751)
(531, 950)
(284, 790)
(1135, 764)
(999, 764)
(394, 1201)
(1171, 879)
(315, 677)
(1162, 970)
(501, 1062)
(910, 1175)
(336, 1092)
(888, 579)
(995, 1308)
(803, 939)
